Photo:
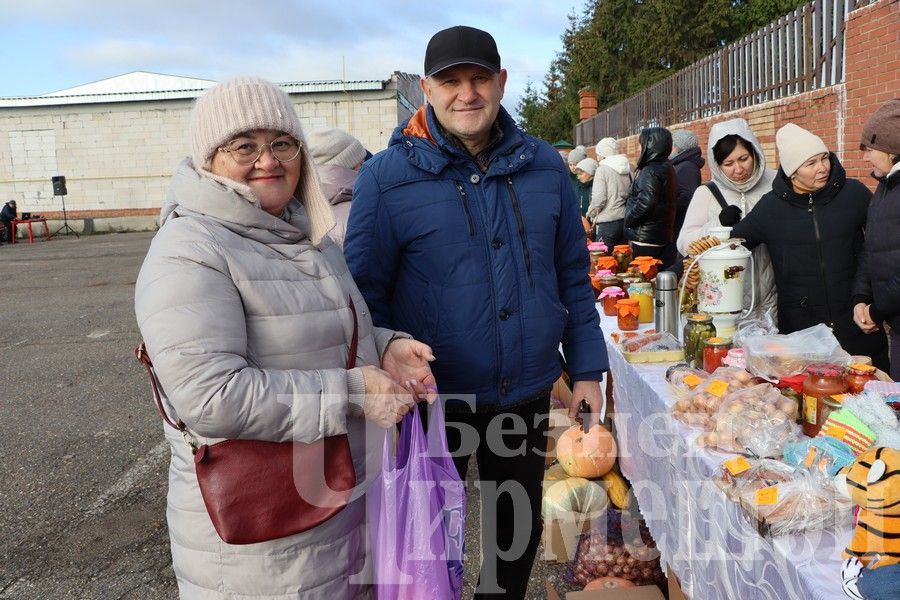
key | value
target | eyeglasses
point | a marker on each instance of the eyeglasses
(284, 149)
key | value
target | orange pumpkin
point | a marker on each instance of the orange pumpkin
(589, 455)
(608, 583)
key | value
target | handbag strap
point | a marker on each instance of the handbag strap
(717, 194)
(140, 353)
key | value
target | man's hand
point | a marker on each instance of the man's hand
(588, 391)
(386, 401)
(863, 319)
(407, 362)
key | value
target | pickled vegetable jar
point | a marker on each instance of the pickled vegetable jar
(822, 381)
(628, 312)
(622, 254)
(715, 350)
(643, 293)
(609, 296)
(697, 329)
(857, 376)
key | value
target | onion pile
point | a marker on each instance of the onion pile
(637, 561)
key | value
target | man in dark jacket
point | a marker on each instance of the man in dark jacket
(650, 206)
(876, 291)
(687, 160)
(812, 223)
(466, 233)
(7, 214)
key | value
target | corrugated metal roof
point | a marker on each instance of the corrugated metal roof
(143, 86)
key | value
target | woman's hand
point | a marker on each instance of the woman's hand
(407, 362)
(863, 319)
(386, 400)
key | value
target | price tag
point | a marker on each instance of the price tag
(737, 465)
(839, 398)
(767, 496)
(810, 456)
(717, 387)
(692, 381)
(837, 432)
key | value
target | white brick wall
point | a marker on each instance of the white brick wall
(121, 155)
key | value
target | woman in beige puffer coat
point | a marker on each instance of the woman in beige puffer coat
(243, 303)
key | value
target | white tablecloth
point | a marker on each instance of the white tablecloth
(706, 539)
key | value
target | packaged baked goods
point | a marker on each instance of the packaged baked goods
(650, 342)
(740, 473)
(776, 356)
(698, 406)
(683, 378)
(757, 420)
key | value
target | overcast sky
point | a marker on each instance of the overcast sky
(48, 45)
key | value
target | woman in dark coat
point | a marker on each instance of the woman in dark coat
(876, 292)
(650, 206)
(813, 223)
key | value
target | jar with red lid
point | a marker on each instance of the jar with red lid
(609, 296)
(715, 350)
(628, 311)
(822, 381)
(857, 376)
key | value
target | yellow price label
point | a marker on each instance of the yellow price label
(810, 456)
(692, 380)
(767, 496)
(737, 465)
(717, 387)
(837, 432)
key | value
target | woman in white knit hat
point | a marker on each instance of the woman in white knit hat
(612, 182)
(338, 157)
(247, 311)
(812, 223)
(584, 173)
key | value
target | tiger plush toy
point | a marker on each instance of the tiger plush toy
(873, 555)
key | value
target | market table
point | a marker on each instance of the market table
(28, 223)
(707, 540)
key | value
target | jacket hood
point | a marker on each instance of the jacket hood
(656, 146)
(428, 150)
(836, 180)
(336, 182)
(740, 128)
(231, 204)
(690, 155)
(618, 163)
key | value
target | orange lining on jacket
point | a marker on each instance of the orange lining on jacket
(418, 126)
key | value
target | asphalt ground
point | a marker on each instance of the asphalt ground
(83, 465)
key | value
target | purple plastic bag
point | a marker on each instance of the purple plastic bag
(416, 511)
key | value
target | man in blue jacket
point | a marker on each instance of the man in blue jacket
(466, 234)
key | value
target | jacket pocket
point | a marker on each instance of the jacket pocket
(464, 200)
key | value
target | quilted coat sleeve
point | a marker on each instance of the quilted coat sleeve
(582, 341)
(643, 198)
(697, 218)
(600, 191)
(192, 320)
(370, 248)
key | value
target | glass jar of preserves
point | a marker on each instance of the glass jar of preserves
(622, 254)
(609, 296)
(628, 278)
(822, 381)
(715, 350)
(697, 329)
(735, 358)
(628, 312)
(643, 293)
(857, 376)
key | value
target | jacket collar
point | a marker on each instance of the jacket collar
(429, 149)
(836, 180)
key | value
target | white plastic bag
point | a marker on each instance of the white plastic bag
(776, 356)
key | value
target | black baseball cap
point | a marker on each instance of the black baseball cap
(461, 45)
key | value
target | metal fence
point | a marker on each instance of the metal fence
(801, 51)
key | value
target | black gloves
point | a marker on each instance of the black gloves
(730, 216)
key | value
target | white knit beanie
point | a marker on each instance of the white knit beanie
(577, 155)
(607, 147)
(335, 147)
(795, 146)
(246, 103)
(588, 165)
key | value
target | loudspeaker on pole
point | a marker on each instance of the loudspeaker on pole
(59, 185)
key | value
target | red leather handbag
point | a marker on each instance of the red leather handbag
(255, 491)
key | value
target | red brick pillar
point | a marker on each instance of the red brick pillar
(872, 66)
(587, 104)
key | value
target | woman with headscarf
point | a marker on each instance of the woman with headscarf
(876, 292)
(247, 310)
(813, 223)
(650, 204)
(739, 179)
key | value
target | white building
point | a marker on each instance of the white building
(117, 141)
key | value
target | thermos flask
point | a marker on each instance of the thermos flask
(666, 315)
